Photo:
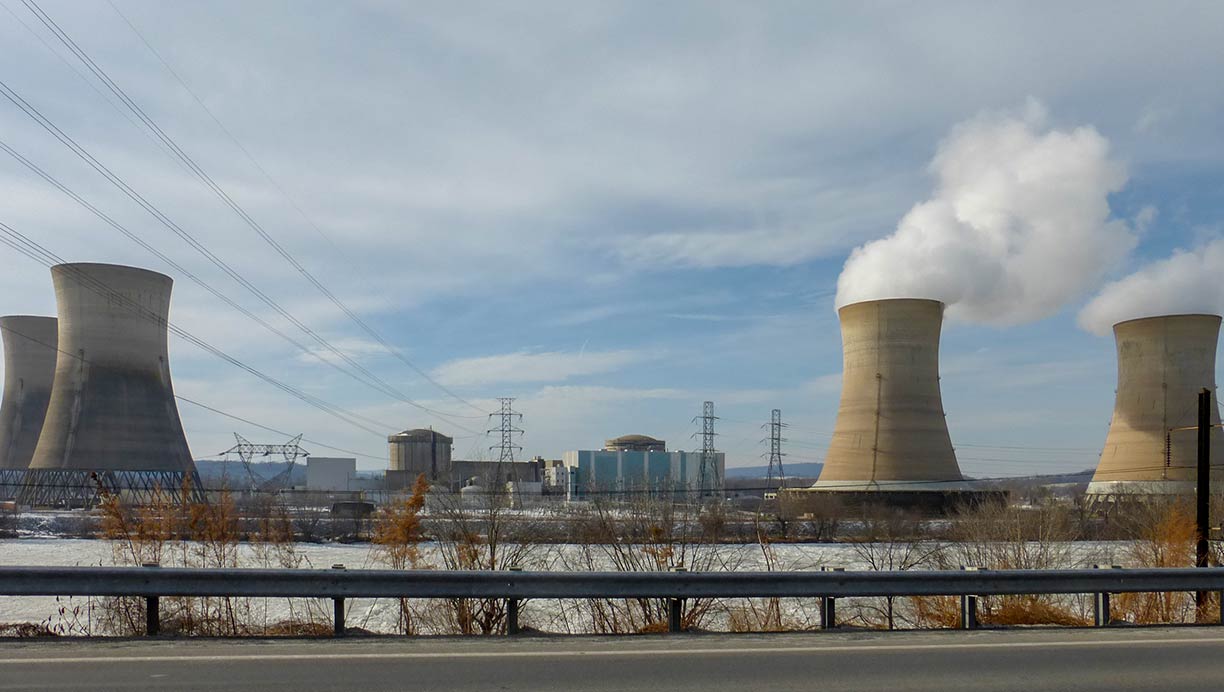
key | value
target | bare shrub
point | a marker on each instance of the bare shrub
(646, 534)
(481, 532)
(397, 540)
(994, 536)
(891, 540)
(1163, 533)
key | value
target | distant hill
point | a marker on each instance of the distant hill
(805, 470)
(214, 472)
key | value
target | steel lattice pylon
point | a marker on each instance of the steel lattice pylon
(507, 417)
(709, 481)
(775, 450)
(246, 451)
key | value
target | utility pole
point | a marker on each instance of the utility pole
(775, 450)
(709, 469)
(1203, 494)
(507, 418)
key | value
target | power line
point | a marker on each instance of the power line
(40, 254)
(227, 200)
(38, 117)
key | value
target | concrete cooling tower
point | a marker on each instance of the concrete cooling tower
(1163, 363)
(112, 417)
(29, 368)
(890, 434)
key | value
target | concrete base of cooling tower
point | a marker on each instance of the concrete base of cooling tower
(934, 498)
(1121, 489)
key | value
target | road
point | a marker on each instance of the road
(1182, 659)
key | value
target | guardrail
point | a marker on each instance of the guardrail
(338, 584)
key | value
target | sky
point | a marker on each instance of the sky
(609, 211)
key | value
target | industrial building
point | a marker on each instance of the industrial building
(891, 437)
(111, 416)
(330, 473)
(637, 463)
(1151, 447)
(426, 451)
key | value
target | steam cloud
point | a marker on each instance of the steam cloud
(1186, 282)
(1018, 226)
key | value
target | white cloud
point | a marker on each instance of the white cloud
(1188, 281)
(526, 366)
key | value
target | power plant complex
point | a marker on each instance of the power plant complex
(89, 408)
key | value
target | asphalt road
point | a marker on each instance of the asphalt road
(1181, 659)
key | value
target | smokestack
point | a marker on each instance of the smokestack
(112, 410)
(890, 433)
(29, 368)
(1163, 362)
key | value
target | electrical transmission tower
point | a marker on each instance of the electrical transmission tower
(709, 467)
(775, 450)
(507, 418)
(246, 451)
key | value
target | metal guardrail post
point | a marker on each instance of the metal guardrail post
(675, 608)
(828, 605)
(512, 610)
(968, 606)
(338, 611)
(152, 610)
(1100, 610)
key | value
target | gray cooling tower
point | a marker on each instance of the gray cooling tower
(29, 368)
(1163, 363)
(112, 406)
(890, 433)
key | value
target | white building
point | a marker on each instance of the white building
(330, 473)
(624, 472)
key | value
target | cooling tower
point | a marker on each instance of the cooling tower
(890, 433)
(29, 368)
(112, 414)
(1163, 363)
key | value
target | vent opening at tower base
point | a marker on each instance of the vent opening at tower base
(937, 502)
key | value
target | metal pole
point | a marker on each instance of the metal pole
(152, 616)
(675, 608)
(968, 606)
(338, 610)
(1101, 616)
(512, 610)
(152, 609)
(828, 605)
(1203, 494)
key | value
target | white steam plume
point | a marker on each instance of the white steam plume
(1018, 226)
(1186, 282)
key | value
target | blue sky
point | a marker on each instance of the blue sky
(612, 211)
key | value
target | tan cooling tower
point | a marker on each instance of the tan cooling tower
(890, 433)
(29, 368)
(1163, 362)
(112, 416)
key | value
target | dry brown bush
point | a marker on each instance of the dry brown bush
(994, 536)
(397, 540)
(1163, 534)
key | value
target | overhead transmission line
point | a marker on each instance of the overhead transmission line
(31, 249)
(228, 201)
(373, 380)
